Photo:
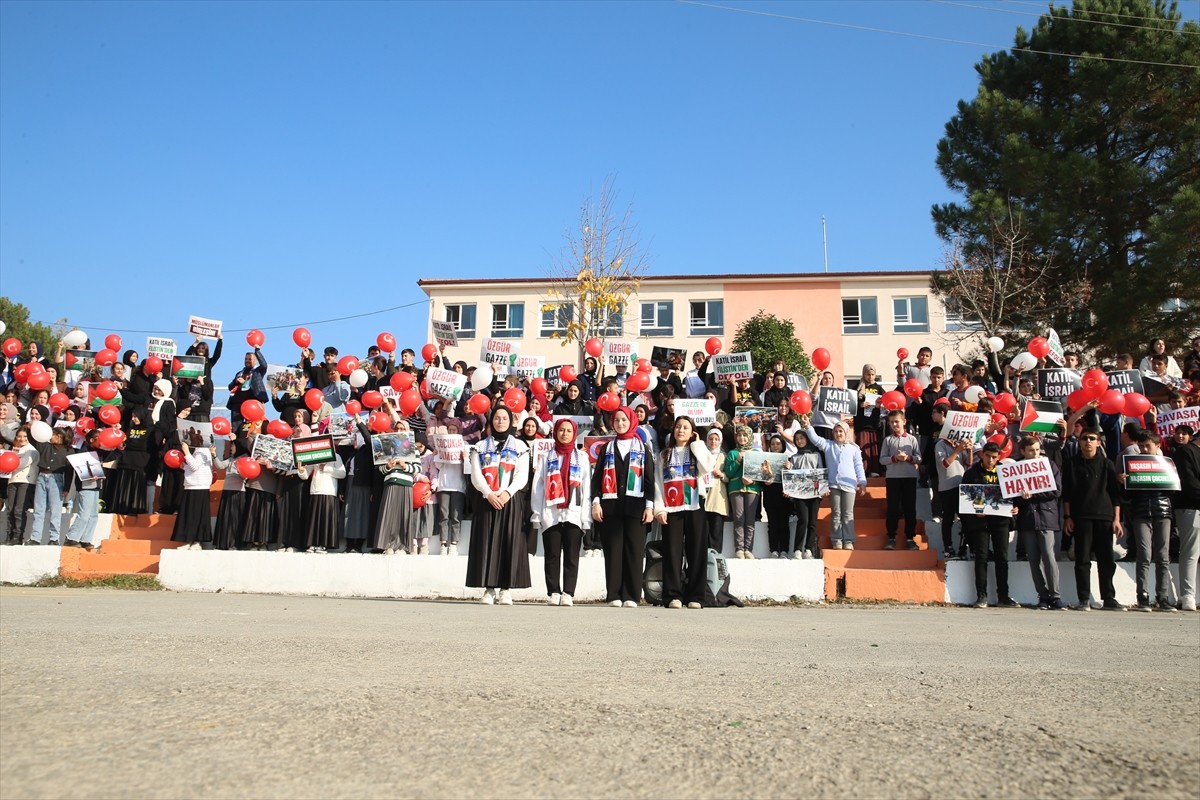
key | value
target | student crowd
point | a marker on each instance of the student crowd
(525, 472)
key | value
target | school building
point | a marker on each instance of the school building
(860, 317)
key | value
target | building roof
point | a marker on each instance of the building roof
(725, 277)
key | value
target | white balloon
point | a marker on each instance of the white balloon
(1024, 361)
(358, 378)
(995, 344)
(40, 431)
(3, 327)
(75, 338)
(653, 382)
(973, 394)
(482, 377)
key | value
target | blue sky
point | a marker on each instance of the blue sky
(276, 164)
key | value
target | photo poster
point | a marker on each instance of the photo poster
(204, 328)
(1056, 383)
(583, 425)
(277, 452)
(1125, 381)
(163, 348)
(185, 426)
(965, 425)
(340, 427)
(313, 449)
(81, 361)
(593, 445)
(400, 445)
(617, 353)
(1172, 418)
(445, 382)
(444, 333)
(1056, 353)
(1158, 387)
(805, 484)
(763, 467)
(983, 498)
(672, 357)
(87, 466)
(191, 367)
(1029, 475)
(701, 411)
(500, 354)
(732, 367)
(756, 418)
(835, 402)
(1145, 472)
(529, 367)
(289, 380)
(448, 448)
(797, 382)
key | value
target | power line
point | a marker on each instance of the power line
(931, 38)
(1159, 28)
(1090, 10)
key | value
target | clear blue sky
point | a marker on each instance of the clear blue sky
(275, 164)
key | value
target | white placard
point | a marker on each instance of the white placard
(732, 366)
(444, 333)
(617, 353)
(701, 411)
(204, 328)
(1030, 475)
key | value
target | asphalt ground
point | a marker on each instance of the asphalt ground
(164, 695)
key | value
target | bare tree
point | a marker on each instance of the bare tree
(601, 264)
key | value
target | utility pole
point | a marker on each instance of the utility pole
(824, 243)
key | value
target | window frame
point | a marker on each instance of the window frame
(560, 306)
(909, 326)
(463, 333)
(860, 328)
(657, 329)
(708, 329)
(509, 332)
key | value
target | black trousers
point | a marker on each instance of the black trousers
(683, 537)
(806, 525)
(1094, 539)
(995, 530)
(949, 500)
(561, 544)
(624, 541)
(901, 500)
(779, 518)
(714, 526)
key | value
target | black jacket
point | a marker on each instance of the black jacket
(1187, 462)
(1042, 511)
(1090, 488)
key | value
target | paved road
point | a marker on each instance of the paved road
(114, 694)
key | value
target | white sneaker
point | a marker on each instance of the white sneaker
(693, 605)
(808, 554)
(453, 549)
(774, 554)
(321, 550)
(400, 551)
(424, 550)
(750, 555)
(413, 548)
(629, 604)
(799, 554)
(554, 599)
(615, 603)
(837, 545)
(445, 549)
(848, 546)
(505, 598)
(566, 600)
(675, 604)
(740, 554)
(489, 597)
(1188, 604)
(389, 551)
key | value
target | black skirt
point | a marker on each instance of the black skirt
(293, 494)
(193, 523)
(321, 522)
(499, 555)
(128, 492)
(259, 519)
(393, 528)
(227, 532)
(170, 491)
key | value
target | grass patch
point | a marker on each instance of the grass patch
(135, 583)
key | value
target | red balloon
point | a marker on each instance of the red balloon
(255, 337)
(637, 382)
(38, 380)
(154, 365)
(514, 400)
(106, 358)
(380, 422)
(567, 374)
(1135, 404)
(609, 401)
(1005, 441)
(302, 337)
(999, 419)
(353, 408)
(429, 352)
(479, 404)
(11, 347)
(643, 365)
(1112, 402)
(712, 345)
(821, 358)
(1039, 347)
(21, 373)
(221, 426)
(420, 494)
(1095, 383)
(248, 468)
(347, 364)
(902, 353)
(59, 402)
(9, 461)
(109, 415)
(386, 342)
(594, 347)
(425, 391)
(539, 386)
(402, 380)
(912, 388)
(85, 424)
(372, 399)
(1004, 402)
(110, 438)
(1077, 399)
(410, 401)
(253, 410)
(173, 458)
(892, 401)
(801, 401)
(314, 399)
(279, 429)
(112, 342)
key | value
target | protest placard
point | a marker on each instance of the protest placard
(445, 382)
(1041, 416)
(313, 449)
(448, 448)
(444, 333)
(277, 452)
(204, 328)
(983, 498)
(158, 346)
(732, 366)
(805, 484)
(1055, 383)
(797, 382)
(1172, 418)
(339, 426)
(1056, 353)
(1125, 380)
(401, 445)
(763, 467)
(756, 418)
(189, 367)
(672, 357)
(499, 352)
(539, 449)
(87, 467)
(1031, 475)
(701, 411)
(836, 402)
(529, 366)
(289, 380)
(617, 353)
(551, 374)
(185, 426)
(964, 425)
(83, 361)
(1150, 472)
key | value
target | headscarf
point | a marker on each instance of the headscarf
(633, 423)
(749, 437)
(125, 359)
(782, 441)
(845, 428)
(718, 432)
(522, 435)
(492, 417)
(808, 447)
(164, 386)
(565, 449)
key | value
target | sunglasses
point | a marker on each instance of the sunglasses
(1089, 438)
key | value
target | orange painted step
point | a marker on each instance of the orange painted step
(145, 520)
(874, 542)
(880, 559)
(144, 547)
(910, 586)
(118, 564)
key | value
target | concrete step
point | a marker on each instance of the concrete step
(881, 559)
(909, 586)
(876, 542)
(80, 564)
(144, 547)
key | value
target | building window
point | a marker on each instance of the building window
(706, 317)
(555, 319)
(955, 319)
(608, 322)
(508, 320)
(463, 317)
(910, 314)
(658, 318)
(860, 315)
(1173, 305)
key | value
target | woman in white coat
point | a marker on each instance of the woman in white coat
(561, 503)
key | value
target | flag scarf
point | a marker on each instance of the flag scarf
(556, 493)
(680, 482)
(637, 465)
(498, 465)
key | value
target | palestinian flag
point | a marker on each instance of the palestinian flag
(312, 449)
(187, 366)
(1041, 416)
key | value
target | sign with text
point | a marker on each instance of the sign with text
(163, 348)
(617, 353)
(1032, 475)
(1056, 353)
(312, 449)
(836, 402)
(446, 382)
(1150, 472)
(444, 333)
(529, 366)
(965, 425)
(204, 328)
(702, 412)
(732, 367)
(1172, 418)
(448, 448)
(499, 351)
(1055, 383)
(1125, 380)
